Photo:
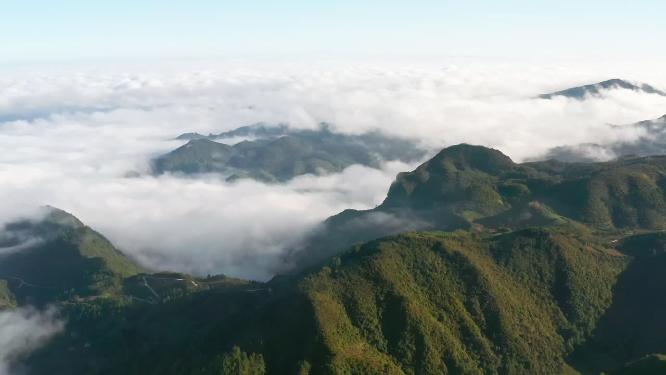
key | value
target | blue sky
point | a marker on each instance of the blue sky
(47, 30)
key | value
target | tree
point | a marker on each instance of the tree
(237, 362)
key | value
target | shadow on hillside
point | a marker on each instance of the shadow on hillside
(635, 323)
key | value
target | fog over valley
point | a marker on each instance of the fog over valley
(83, 141)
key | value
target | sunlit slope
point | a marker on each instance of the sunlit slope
(416, 303)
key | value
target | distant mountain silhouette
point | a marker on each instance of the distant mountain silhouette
(279, 153)
(597, 89)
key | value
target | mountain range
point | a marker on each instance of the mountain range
(279, 153)
(599, 89)
(473, 264)
(474, 188)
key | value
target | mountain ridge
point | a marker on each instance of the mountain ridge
(278, 154)
(491, 192)
(597, 89)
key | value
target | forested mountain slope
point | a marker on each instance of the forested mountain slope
(535, 268)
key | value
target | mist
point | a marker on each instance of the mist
(23, 330)
(81, 139)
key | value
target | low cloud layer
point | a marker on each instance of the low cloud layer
(21, 331)
(71, 138)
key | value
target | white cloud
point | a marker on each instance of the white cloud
(22, 331)
(70, 137)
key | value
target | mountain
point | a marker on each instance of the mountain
(56, 260)
(191, 136)
(58, 257)
(532, 268)
(475, 188)
(651, 142)
(278, 154)
(249, 131)
(598, 89)
(518, 303)
(462, 303)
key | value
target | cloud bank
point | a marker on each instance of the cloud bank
(72, 137)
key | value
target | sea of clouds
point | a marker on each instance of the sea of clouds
(80, 138)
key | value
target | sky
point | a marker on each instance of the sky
(44, 30)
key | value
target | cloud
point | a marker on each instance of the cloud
(22, 245)
(71, 136)
(22, 331)
(208, 226)
(202, 226)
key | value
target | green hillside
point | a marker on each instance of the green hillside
(476, 188)
(415, 303)
(457, 303)
(475, 182)
(63, 258)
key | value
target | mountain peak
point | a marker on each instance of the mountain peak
(61, 217)
(190, 136)
(616, 82)
(466, 156)
(461, 172)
